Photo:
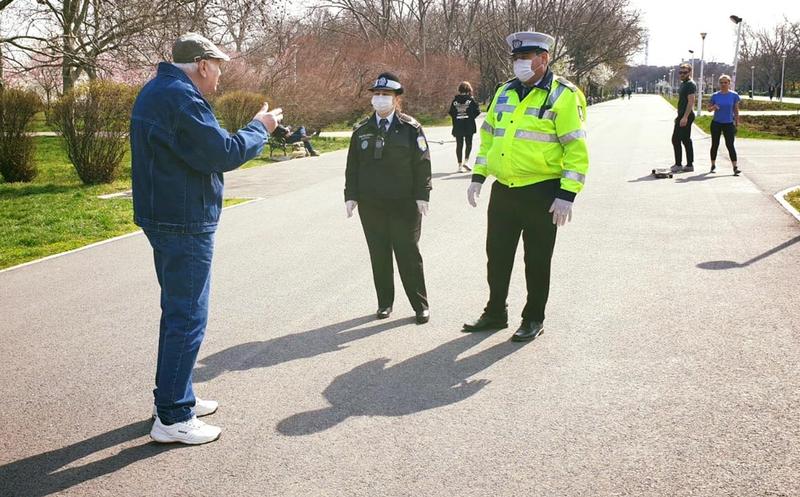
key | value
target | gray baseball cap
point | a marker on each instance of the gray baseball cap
(191, 47)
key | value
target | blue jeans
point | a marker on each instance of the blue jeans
(183, 268)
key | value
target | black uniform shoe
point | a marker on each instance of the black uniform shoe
(383, 312)
(527, 331)
(423, 316)
(487, 322)
(688, 168)
(736, 171)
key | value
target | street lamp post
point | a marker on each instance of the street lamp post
(671, 81)
(783, 72)
(738, 21)
(702, 57)
(691, 58)
(752, 80)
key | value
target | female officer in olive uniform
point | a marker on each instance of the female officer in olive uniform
(388, 177)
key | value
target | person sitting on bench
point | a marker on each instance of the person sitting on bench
(298, 135)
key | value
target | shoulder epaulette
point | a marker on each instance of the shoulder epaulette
(498, 85)
(408, 119)
(361, 123)
(564, 82)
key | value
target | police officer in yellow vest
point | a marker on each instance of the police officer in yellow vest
(534, 144)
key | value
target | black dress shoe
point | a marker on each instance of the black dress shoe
(527, 331)
(423, 316)
(383, 312)
(487, 322)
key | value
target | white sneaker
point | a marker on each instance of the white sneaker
(201, 408)
(191, 432)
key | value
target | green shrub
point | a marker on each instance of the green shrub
(94, 120)
(17, 108)
(237, 108)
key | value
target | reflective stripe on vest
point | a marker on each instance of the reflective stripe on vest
(487, 127)
(505, 108)
(580, 178)
(548, 114)
(534, 136)
(579, 133)
(555, 94)
(480, 160)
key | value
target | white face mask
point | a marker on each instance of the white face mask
(383, 103)
(522, 70)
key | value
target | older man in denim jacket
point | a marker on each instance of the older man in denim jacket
(179, 152)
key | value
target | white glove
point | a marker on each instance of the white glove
(562, 211)
(474, 193)
(350, 206)
(422, 207)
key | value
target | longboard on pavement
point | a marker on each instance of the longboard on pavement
(662, 172)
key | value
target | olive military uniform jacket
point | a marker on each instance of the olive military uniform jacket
(392, 165)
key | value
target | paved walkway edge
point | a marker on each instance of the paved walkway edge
(103, 242)
(786, 205)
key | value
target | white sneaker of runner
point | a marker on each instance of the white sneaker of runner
(201, 408)
(191, 432)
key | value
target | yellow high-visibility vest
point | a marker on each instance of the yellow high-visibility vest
(538, 139)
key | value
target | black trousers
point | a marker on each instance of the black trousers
(394, 226)
(727, 129)
(460, 141)
(683, 135)
(515, 211)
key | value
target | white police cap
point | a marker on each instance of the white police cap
(525, 41)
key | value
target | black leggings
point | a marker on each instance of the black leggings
(460, 141)
(727, 129)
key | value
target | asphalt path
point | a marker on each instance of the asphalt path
(669, 364)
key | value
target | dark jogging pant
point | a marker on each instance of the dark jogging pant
(682, 135)
(729, 131)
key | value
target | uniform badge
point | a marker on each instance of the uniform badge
(364, 145)
(516, 43)
(421, 143)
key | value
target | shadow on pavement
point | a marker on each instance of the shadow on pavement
(700, 177)
(41, 474)
(287, 348)
(647, 177)
(715, 265)
(427, 381)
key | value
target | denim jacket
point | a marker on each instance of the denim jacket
(178, 155)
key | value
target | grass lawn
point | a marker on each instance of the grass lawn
(320, 144)
(793, 198)
(745, 104)
(761, 127)
(56, 212)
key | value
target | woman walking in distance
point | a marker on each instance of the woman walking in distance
(463, 111)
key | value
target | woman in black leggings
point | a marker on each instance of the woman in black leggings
(463, 111)
(725, 105)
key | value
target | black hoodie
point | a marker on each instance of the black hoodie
(463, 110)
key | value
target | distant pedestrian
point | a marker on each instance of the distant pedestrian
(771, 91)
(682, 131)
(463, 111)
(725, 105)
